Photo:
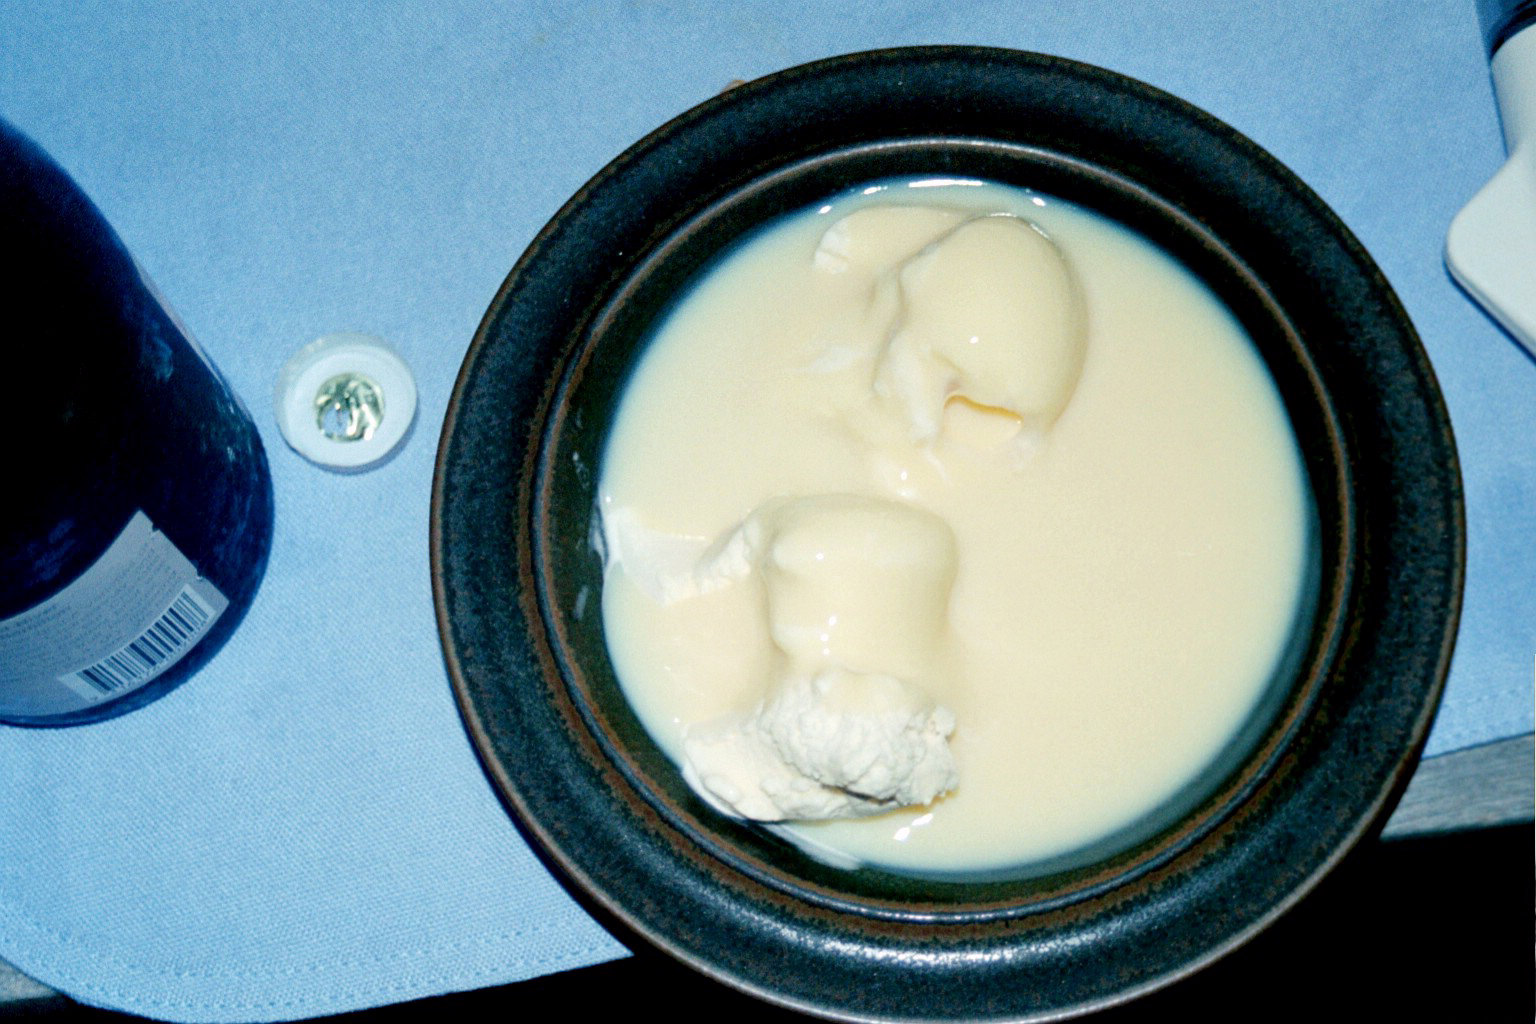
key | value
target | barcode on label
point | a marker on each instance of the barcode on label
(152, 651)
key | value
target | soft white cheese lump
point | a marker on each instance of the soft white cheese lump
(870, 242)
(985, 309)
(855, 582)
(854, 595)
(836, 744)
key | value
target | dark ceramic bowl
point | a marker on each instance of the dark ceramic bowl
(517, 580)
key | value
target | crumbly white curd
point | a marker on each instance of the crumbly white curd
(954, 524)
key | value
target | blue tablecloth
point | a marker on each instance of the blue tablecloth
(303, 828)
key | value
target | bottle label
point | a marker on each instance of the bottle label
(137, 611)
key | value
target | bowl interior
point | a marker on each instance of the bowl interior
(569, 565)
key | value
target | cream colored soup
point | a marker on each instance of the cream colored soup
(1126, 520)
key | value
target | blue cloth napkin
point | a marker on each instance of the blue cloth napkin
(303, 828)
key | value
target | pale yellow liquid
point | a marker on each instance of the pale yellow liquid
(1124, 589)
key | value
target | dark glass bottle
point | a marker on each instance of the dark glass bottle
(138, 511)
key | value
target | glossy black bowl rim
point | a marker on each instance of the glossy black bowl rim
(465, 604)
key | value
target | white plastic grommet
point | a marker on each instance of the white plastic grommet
(345, 401)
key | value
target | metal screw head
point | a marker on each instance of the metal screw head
(348, 407)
